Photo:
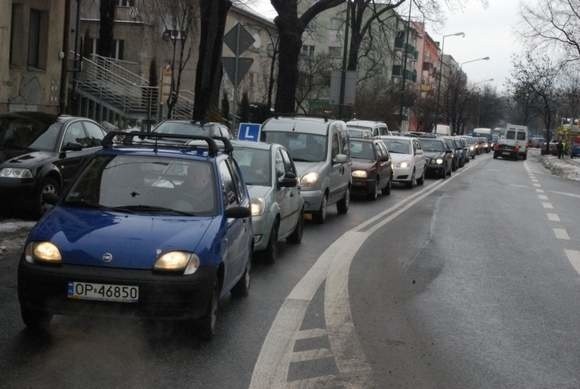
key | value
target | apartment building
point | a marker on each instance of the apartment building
(31, 54)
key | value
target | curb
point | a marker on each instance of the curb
(560, 167)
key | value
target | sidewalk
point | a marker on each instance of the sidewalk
(12, 235)
(566, 168)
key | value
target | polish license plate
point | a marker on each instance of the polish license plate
(102, 292)
(506, 153)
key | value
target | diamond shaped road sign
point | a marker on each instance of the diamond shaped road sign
(244, 65)
(238, 34)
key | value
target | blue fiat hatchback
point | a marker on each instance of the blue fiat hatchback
(150, 227)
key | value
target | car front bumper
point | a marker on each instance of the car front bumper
(402, 175)
(262, 226)
(16, 191)
(363, 185)
(43, 288)
(312, 200)
(436, 169)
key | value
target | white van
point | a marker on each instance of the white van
(513, 143)
(367, 129)
(443, 129)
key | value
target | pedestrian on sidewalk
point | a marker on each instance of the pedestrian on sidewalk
(560, 149)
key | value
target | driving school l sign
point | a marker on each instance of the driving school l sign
(249, 132)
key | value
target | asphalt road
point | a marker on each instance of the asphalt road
(457, 284)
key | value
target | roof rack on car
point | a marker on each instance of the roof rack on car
(296, 115)
(128, 137)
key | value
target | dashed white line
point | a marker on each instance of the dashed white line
(574, 258)
(537, 185)
(540, 190)
(547, 205)
(543, 197)
(561, 234)
(553, 217)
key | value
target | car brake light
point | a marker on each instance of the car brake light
(496, 147)
(517, 148)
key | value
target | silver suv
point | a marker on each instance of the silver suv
(321, 151)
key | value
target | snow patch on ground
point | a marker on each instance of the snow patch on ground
(12, 235)
(7, 227)
(564, 168)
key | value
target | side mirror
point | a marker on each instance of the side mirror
(72, 147)
(238, 213)
(340, 158)
(50, 198)
(288, 181)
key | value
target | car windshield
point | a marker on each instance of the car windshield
(302, 147)
(20, 132)
(255, 165)
(359, 132)
(397, 146)
(146, 184)
(362, 150)
(510, 135)
(521, 135)
(432, 145)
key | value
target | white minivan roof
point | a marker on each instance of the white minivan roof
(307, 125)
(366, 123)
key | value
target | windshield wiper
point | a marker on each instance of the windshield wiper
(150, 208)
(80, 203)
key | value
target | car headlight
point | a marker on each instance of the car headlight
(9, 172)
(177, 261)
(360, 174)
(472, 148)
(257, 206)
(439, 161)
(42, 252)
(309, 180)
(403, 165)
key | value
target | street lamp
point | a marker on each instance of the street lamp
(461, 34)
(473, 60)
(484, 81)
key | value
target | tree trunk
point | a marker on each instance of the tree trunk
(272, 80)
(213, 15)
(106, 46)
(288, 57)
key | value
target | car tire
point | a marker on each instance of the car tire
(421, 180)
(49, 185)
(494, 156)
(525, 156)
(374, 192)
(319, 217)
(411, 184)
(242, 287)
(343, 205)
(34, 320)
(296, 236)
(387, 189)
(271, 253)
(206, 324)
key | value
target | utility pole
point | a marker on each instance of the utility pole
(64, 58)
(344, 63)
(405, 57)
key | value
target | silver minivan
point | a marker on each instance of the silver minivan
(321, 151)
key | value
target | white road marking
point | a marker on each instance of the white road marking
(333, 266)
(520, 186)
(547, 205)
(553, 217)
(566, 194)
(543, 197)
(540, 190)
(310, 355)
(574, 258)
(311, 333)
(561, 233)
(537, 185)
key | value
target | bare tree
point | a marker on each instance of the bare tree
(555, 23)
(314, 78)
(291, 27)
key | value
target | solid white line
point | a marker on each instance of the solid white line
(548, 205)
(553, 217)
(561, 233)
(271, 368)
(543, 197)
(574, 258)
(566, 194)
(540, 190)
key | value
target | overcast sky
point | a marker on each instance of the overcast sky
(490, 31)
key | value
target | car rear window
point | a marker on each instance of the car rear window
(255, 165)
(521, 135)
(510, 135)
(140, 184)
(362, 150)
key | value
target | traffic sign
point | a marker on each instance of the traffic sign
(238, 39)
(249, 132)
(243, 67)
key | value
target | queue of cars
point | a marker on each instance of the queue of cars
(165, 224)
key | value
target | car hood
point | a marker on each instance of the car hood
(307, 167)
(434, 154)
(25, 158)
(360, 164)
(401, 157)
(259, 191)
(83, 236)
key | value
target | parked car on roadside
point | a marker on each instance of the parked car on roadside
(41, 153)
(371, 168)
(408, 159)
(471, 144)
(455, 156)
(277, 207)
(158, 232)
(461, 150)
(320, 149)
(188, 127)
(439, 157)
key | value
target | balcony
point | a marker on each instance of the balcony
(410, 75)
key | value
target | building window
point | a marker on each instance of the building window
(118, 48)
(37, 39)
(16, 21)
(334, 52)
(308, 50)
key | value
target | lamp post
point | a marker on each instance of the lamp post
(405, 57)
(473, 60)
(461, 34)
(344, 63)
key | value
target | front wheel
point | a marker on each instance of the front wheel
(319, 217)
(343, 205)
(34, 320)
(296, 237)
(421, 180)
(387, 189)
(271, 252)
(48, 186)
(206, 325)
(242, 287)
(374, 192)
(413, 181)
